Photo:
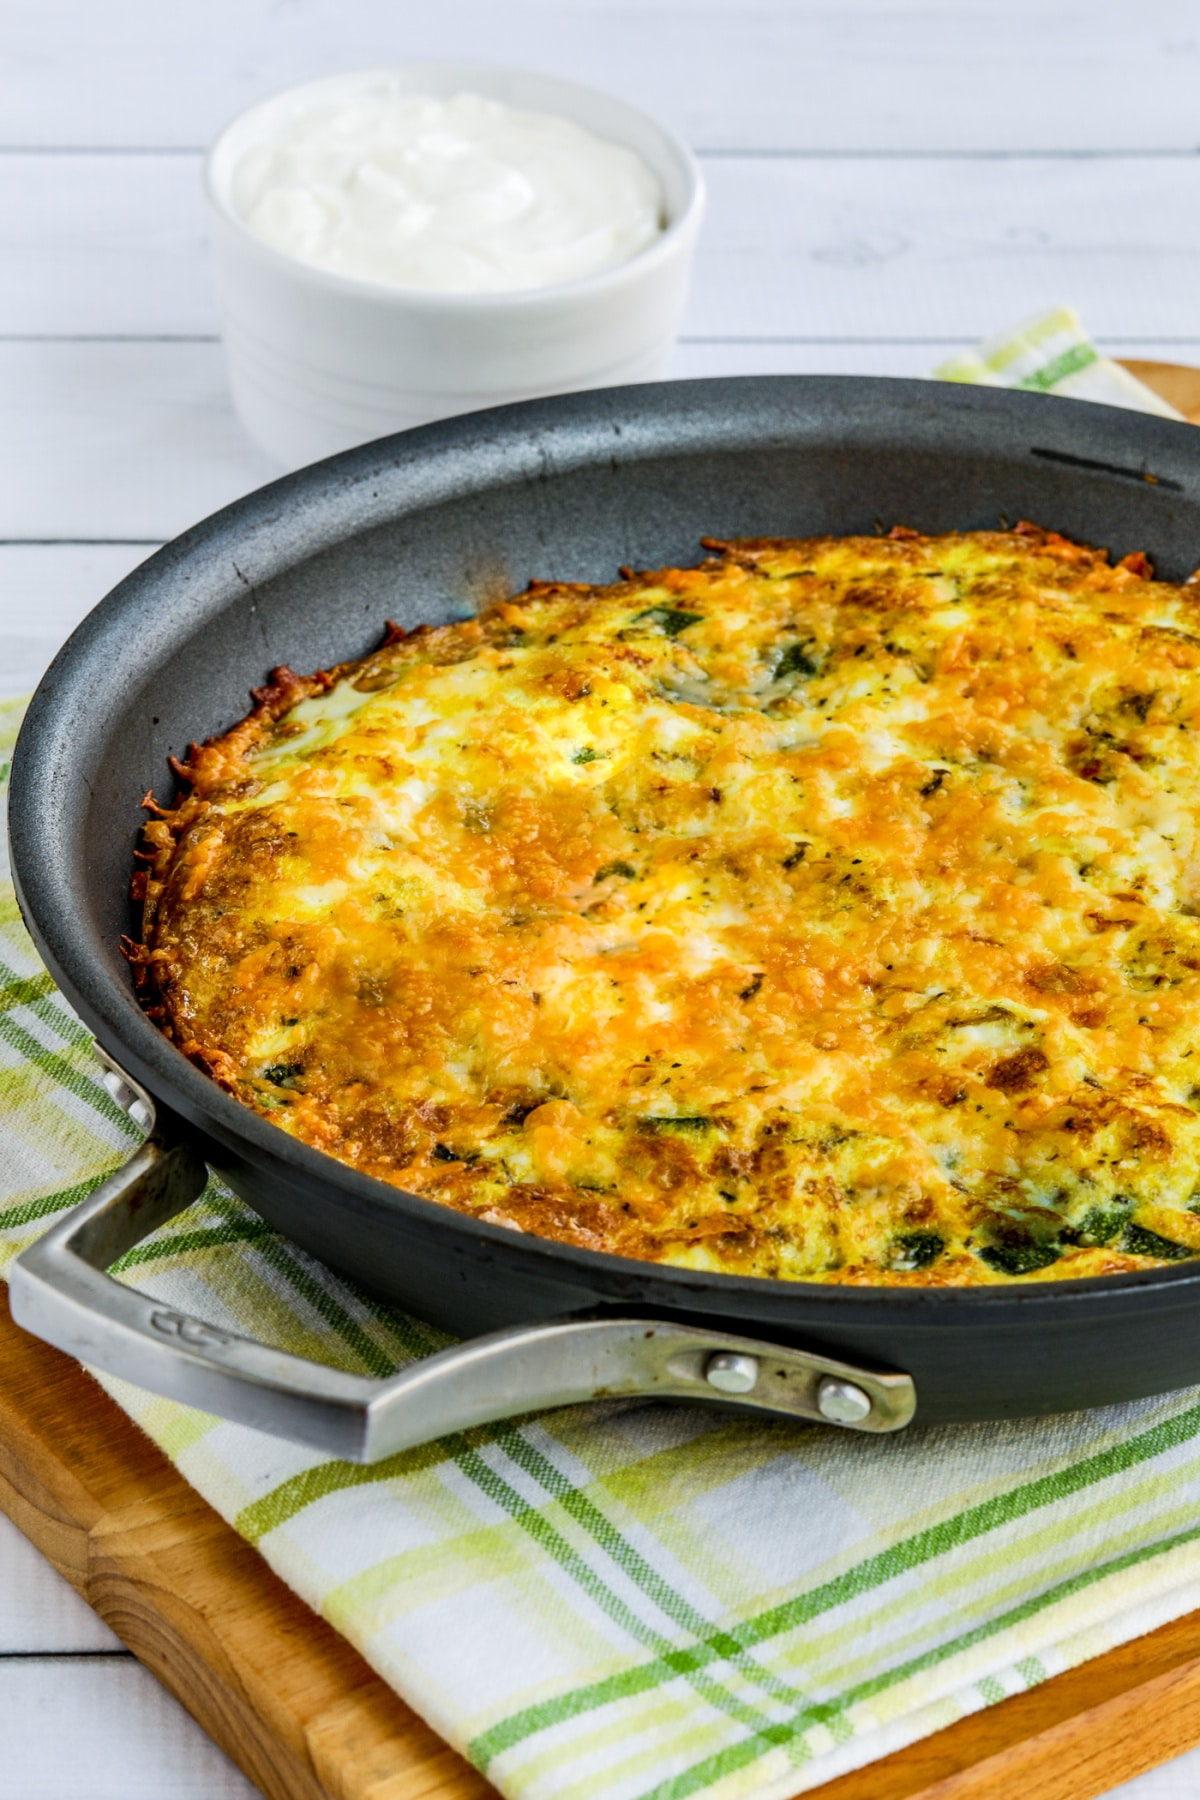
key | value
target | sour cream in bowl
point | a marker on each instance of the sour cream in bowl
(399, 245)
(464, 195)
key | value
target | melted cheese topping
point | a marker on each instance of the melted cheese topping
(830, 911)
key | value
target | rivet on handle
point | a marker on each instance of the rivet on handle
(842, 1402)
(731, 1372)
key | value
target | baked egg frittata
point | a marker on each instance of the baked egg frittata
(830, 911)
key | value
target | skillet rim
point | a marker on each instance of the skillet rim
(327, 490)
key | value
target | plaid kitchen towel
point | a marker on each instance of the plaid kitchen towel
(1053, 354)
(628, 1601)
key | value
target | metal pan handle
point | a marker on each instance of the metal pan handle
(59, 1291)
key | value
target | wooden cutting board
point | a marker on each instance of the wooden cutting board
(301, 1713)
(1175, 383)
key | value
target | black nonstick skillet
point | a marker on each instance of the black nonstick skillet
(424, 526)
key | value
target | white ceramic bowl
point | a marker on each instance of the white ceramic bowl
(320, 361)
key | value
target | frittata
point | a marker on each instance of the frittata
(829, 911)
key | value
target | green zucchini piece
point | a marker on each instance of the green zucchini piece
(917, 1249)
(1018, 1259)
(1100, 1224)
(1138, 1241)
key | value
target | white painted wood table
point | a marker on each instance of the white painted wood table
(888, 180)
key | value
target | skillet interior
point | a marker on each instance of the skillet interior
(425, 525)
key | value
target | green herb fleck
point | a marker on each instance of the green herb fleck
(671, 620)
(282, 1074)
(625, 870)
(655, 1126)
(796, 660)
(587, 755)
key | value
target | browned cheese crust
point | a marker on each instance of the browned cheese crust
(829, 911)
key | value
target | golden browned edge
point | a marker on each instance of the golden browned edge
(284, 690)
